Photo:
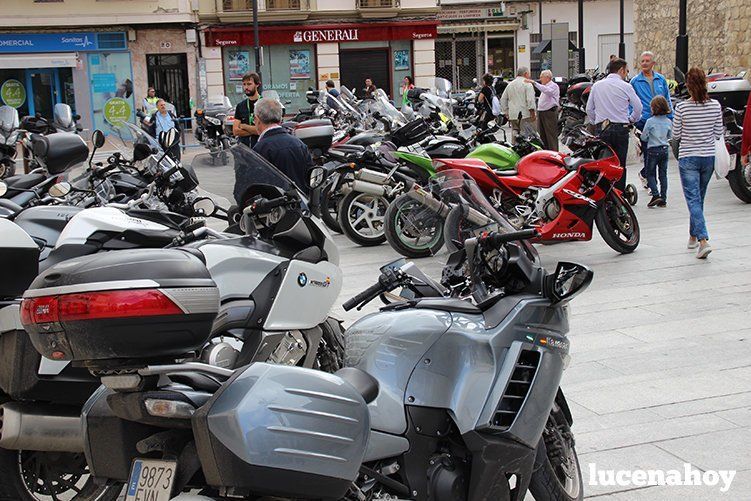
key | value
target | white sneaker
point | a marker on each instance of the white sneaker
(692, 244)
(703, 251)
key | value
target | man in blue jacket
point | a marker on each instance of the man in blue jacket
(648, 84)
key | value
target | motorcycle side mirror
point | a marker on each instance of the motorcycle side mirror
(204, 206)
(97, 138)
(680, 77)
(569, 280)
(76, 117)
(168, 139)
(3, 188)
(59, 190)
(141, 151)
(316, 176)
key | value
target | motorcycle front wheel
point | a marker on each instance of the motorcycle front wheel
(617, 223)
(361, 217)
(42, 476)
(740, 180)
(558, 476)
(411, 229)
(7, 169)
(329, 206)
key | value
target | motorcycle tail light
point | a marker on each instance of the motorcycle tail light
(97, 305)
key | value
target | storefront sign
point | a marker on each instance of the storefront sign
(59, 42)
(283, 35)
(117, 111)
(13, 93)
(104, 82)
(469, 13)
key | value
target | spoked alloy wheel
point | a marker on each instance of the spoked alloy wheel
(50, 476)
(361, 217)
(618, 225)
(412, 229)
(631, 194)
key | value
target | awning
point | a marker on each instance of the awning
(21, 61)
(479, 27)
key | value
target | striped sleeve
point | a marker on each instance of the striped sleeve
(697, 125)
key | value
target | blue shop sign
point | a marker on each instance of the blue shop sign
(61, 42)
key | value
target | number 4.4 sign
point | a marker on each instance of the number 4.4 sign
(151, 480)
(116, 111)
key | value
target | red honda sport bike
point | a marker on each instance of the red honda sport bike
(560, 195)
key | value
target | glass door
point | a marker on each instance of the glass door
(42, 84)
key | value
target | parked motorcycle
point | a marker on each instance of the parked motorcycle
(9, 137)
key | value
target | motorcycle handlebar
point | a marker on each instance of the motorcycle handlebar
(498, 239)
(365, 296)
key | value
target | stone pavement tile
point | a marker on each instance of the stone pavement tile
(740, 416)
(615, 397)
(649, 432)
(639, 457)
(718, 450)
(598, 422)
(716, 322)
(586, 372)
(586, 342)
(713, 404)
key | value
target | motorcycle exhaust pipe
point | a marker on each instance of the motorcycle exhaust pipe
(426, 199)
(39, 427)
(372, 176)
(367, 187)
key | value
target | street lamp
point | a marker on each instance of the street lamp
(681, 41)
(621, 43)
(581, 36)
(256, 44)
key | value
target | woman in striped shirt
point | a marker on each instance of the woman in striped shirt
(697, 124)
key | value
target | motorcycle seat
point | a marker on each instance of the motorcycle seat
(572, 163)
(23, 181)
(507, 172)
(363, 382)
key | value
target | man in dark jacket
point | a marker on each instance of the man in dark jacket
(275, 144)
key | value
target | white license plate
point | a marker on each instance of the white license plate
(151, 480)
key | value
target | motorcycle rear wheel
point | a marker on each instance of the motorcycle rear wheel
(740, 180)
(617, 223)
(406, 222)
(361, 217)
(42, 476)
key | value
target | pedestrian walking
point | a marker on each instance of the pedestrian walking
(547, 109)
(697, 125)
(370, 88)
(149, 102)
(648, 84)
(657, 132)
(243, 126)
(484, 106)
(331, 88)
(613, 106)
(518, 103)
(275, 144)
(407, 84)
(164, 121)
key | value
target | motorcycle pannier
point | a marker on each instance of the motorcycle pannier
(60, 151)
(140, 304)
(285, 431)
(316, 133)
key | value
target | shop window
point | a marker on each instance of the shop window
(111, 88)
(377, 4)
(237, 5)
(112, 41)
(283, 4)
(288, 69)
(19, 77)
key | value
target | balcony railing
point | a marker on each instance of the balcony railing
(267, 5)
(377, 4)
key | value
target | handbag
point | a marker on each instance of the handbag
(721, 158)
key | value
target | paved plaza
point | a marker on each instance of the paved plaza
(661, 342)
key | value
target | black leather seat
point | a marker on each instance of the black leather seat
(363, 382)
(573, 164)
(23, 181)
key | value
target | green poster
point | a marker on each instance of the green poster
(116, 111)
(13, 93)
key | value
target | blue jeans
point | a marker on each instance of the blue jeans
(657, 162)
(695, 175)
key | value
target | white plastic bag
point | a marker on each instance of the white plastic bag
(721, 158)
(496, 106)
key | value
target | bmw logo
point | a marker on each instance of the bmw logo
(302, 279)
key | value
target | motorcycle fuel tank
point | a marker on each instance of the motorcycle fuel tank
(496, 156)
(542, 168)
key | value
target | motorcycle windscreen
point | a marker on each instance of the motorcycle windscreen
(382, 105)
(252, 169)
(8, 118)
(63, 114)
(126, 135)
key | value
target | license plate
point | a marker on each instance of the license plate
(151, 480)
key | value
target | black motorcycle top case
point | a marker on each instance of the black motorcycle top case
(60, 151)
(176, 281)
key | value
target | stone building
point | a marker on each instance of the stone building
(718, 33)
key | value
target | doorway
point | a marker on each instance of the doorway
(168, 74)
(460, 59)
(358, 64)
(501, 56)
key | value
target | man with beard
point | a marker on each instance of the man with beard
(244, 127)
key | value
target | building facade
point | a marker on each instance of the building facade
(718, 31)
(307, 42)
(498, 37)
(98, 57)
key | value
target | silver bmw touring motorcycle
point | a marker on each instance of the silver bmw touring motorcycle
(452, 390)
